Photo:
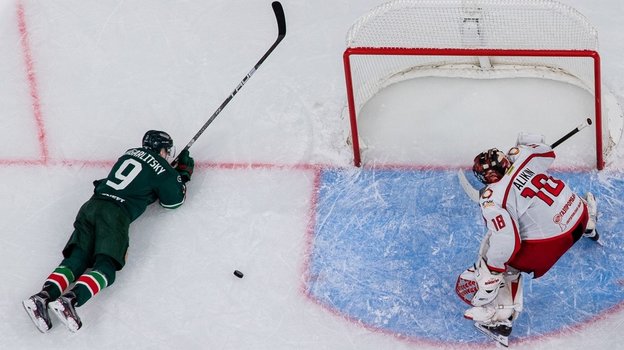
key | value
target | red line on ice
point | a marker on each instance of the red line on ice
(32, 81)
(310, 233)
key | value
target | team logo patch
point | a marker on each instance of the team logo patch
(487, 194)
(488, 203)
(557, 219)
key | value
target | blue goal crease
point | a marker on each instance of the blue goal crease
(389, 245)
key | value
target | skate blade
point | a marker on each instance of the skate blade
(500, 339)
(39, 322)
(596, 238)
(59, 310)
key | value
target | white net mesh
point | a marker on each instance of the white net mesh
(496, 24)
(399, 34)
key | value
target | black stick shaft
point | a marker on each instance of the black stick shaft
(587, 123)
(281, 33)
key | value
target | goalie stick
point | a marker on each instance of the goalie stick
(281, 33)
(581, 126)
(474, 194)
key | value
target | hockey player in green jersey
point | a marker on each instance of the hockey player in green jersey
(97, 247)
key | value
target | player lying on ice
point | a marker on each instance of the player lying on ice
(97, 247)
(532, 219)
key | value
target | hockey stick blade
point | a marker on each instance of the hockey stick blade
(280, 17)
(281, 33)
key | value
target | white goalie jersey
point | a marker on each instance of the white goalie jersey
(532, 217)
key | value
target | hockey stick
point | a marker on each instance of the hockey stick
(281, 33)
(581, 126)
(474, 194)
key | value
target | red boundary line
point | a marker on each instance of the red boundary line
(32, 83)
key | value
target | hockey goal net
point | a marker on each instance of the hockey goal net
(483, 39)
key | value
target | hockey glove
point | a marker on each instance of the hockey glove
(185, 166)
(96, 183)
(525, 138)
(488, 284)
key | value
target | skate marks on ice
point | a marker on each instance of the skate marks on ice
(388, 246)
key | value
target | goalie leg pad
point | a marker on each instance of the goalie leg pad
(481, 314)
(592, 206)
(592, 209)
(504, 308)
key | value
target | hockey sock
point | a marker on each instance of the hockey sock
(58, 281)
(89, 284)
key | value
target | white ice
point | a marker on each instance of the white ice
(104, 72)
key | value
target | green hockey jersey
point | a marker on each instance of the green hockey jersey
(139, 178)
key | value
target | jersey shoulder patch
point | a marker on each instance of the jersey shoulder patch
(514, 151)
(486, 199)
(487, 193)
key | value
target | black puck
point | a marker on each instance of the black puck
(238, 274)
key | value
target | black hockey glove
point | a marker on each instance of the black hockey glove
(96, 183)
(185, 166)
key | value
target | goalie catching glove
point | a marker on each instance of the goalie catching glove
(185, 166)
(477, 285)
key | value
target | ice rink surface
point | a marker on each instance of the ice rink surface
(334, 257)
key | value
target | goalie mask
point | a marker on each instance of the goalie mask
(490, 166)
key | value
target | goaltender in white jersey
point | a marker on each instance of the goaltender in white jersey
(532, 219)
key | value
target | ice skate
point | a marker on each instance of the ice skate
(37, 308)
(64, 309)
(592, 234)
(499, 333)
(592, 208)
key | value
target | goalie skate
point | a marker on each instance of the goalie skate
(37, 308)
(592, 208)
(63, 308)
(499, 334)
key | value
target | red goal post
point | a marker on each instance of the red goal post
(482, 39)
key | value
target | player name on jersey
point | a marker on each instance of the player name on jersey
(522, 178)
(147, 158)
